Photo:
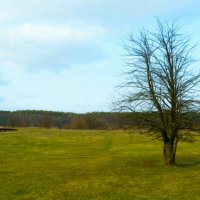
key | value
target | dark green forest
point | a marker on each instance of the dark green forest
(93, 121)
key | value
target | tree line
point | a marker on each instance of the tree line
(62, 120)
(87, 121)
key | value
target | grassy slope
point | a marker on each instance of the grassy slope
(58, 164)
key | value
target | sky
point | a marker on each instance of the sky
(63, 55)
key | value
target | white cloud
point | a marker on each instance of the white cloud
(48, 46)
(51, 33)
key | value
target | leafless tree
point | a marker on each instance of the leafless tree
(160, 81)
(46, 120)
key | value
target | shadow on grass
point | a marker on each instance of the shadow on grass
(189, 161)
(182, 162)
(7, 129)
(195, 164)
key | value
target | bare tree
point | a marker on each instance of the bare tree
(46, 120)
(160, 81)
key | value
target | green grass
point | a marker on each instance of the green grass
(65, 164)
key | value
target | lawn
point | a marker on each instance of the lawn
(48, 164)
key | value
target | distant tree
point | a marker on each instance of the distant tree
(12, 121)
(78, 123)
(161, 83)
(57, 122)
(16, 120)
(46, 120)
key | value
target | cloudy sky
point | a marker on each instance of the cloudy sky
(65, 55)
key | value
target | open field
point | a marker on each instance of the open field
(48, 164)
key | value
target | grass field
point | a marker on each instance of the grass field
(65, 164)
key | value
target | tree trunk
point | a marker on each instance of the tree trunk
(169, 152)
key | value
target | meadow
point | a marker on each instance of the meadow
(53, 164)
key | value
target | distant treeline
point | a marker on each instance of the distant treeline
(94, 120)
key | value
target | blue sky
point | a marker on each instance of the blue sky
(65, 55)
